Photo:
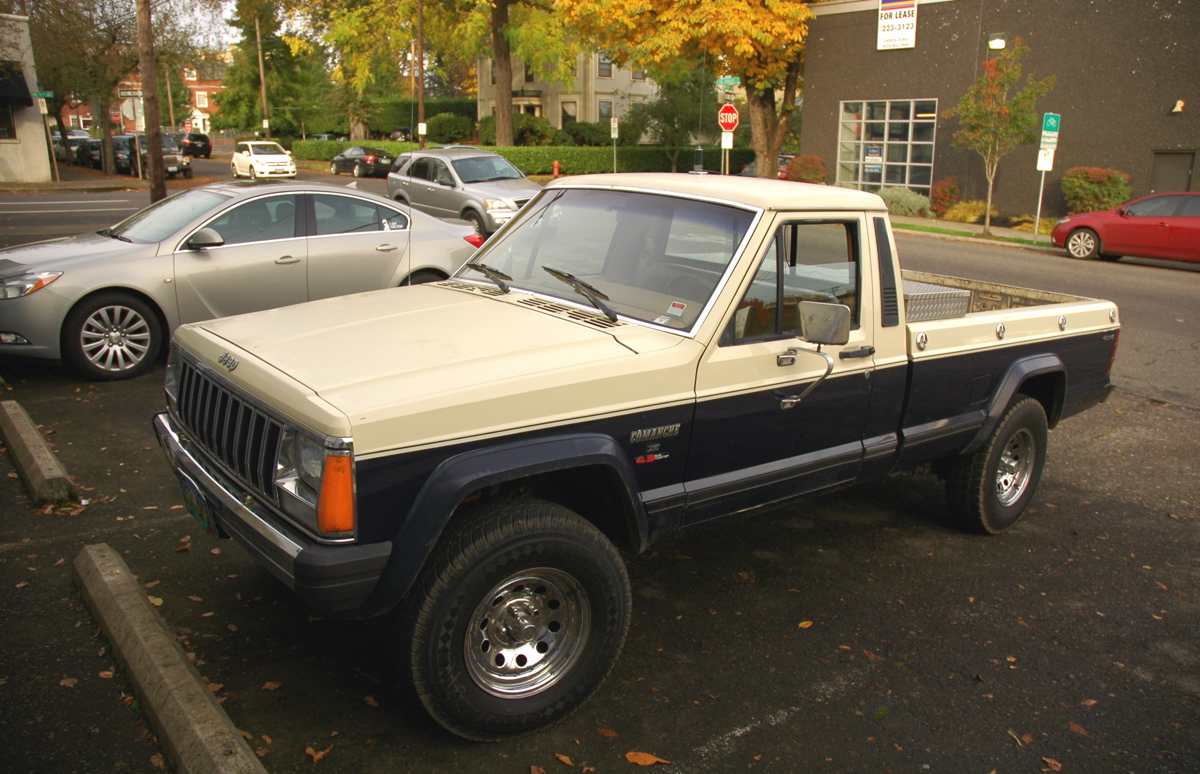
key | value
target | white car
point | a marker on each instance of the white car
(262, 159)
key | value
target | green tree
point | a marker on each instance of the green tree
(995, 117)
(685, 107)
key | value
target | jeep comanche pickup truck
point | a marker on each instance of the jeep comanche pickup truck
(631, 356)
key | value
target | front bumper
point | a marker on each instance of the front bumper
(328, 578)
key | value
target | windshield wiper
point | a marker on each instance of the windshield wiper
(584, 289)
(108, 233)
(495, 275)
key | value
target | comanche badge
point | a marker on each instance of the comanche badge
(653, 433)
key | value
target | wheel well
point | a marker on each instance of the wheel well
(595, 492)
(441, 275)
(472, 211)
(139, 295)
(1050, 391)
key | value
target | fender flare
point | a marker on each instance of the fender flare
(1017, 374)
(457, 477)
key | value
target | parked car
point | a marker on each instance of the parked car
(106, 301)
(89, 153)
(1160, 226)
(781, 165)
(122, 154)
(175, 161)
(196, 144)
(362, 162)
(323, 136)
(65, 151)
(478, 186)
(262, 159)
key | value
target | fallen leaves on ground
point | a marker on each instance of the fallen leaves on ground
(106, 674)
(156, 760)
(316, 756)
(271, 685)
(1051, 765)
(68, 682)
(156, 601)
(607, 732)
(1077, 728)
(563, 759)
(643, 759)
(370, 700)
(805, 624)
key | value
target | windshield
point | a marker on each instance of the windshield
(267, 149)
(484, 168)
(170, 143)
(653, 257)
(161, 220)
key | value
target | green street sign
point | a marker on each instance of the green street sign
(42, 94)
(1050, 122)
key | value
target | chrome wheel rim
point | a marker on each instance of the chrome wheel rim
(527, 633)
(115, 338)
(1081, 244)
(1015, 468)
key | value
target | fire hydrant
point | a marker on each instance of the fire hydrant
(556, 167)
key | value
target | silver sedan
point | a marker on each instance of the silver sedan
(105, 301)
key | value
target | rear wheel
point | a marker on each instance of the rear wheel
(990, 489)
(253, 173)
(359, 171)
(112, 336)
(333, 170)
(518, 617)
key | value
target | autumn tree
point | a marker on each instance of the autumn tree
(995, 117)
(759, 41)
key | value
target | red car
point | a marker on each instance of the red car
(1159, 226)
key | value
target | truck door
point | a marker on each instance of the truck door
(750, 448)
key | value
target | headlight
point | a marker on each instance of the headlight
(1061, 221)
(497, 204)
(316, 484)
(301, 461)
(24, 284)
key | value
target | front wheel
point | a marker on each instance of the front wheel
(518, 617)
(1083, 243)
(333, 170)
(476, 222)
(233, 168)
(112, 336)
(990, 489)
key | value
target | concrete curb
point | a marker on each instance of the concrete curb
(44, 476)
(194, 731)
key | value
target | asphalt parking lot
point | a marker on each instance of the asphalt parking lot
(858, 632)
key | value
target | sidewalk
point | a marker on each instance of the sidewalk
(78, 179)
(900, 221)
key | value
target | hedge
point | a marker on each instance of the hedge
(539, 160)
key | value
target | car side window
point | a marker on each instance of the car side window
(258, 220)
(1158, 207)
(441, 173)
(805, 261)
(1191, 207)
(344, 215)
(392, 220)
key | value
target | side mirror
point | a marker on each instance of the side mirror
(1123, 211)
(822, 323)
(446, 180)
(205, 238)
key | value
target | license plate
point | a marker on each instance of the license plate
(172, 169)
(198, 504)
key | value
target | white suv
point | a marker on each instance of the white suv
(262, 159)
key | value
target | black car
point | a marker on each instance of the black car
(362, 161)
(122, 156)
(196, 144)
(89, 153)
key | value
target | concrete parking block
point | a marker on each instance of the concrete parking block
(193, 729)
(45, 477)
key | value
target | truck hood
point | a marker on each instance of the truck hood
(515, 188)
(67, 253)
(428, 364)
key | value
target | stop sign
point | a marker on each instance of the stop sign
(727, 117)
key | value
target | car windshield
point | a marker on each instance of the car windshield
(650, 257)
(266, 149)
(484, 168)
(170, 143)
(161, 220)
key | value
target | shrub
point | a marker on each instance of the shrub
(902, 201)
(591, 133)
(807, 169)
(1089, 189)
(1025, 223)
(944, 195)
(527, 130)
(449, 128)
(969, 212)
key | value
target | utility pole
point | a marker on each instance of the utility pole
(420, 73)
(262, 78)
(154, 159)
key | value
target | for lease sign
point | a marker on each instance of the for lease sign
(897, 24)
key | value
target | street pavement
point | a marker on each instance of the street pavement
(857, 632)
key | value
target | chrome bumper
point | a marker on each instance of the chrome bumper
(329, 578)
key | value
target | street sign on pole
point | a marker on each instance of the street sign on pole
(727, 118)
(42, 94)
(1050, 125)
(1045, 162)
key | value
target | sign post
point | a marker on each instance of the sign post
(1045, 163)
(614, 131)
(727, 119)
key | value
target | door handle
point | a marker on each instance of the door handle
(851, 354)
(387, 248)
(286, 260)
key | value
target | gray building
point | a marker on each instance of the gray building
(1128, 91)
(24, 154)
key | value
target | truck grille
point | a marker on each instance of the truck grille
(243, 439)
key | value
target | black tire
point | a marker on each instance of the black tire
(187, 174)
(422, 276)
(518, 617)
(253, 173)
(989, 490)
(476, 222)
(112, 336)
(1083, 243)
(358, 170)
(333, 170)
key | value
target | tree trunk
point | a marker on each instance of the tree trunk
(768, 124)
(154, 155)
(502, 56)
